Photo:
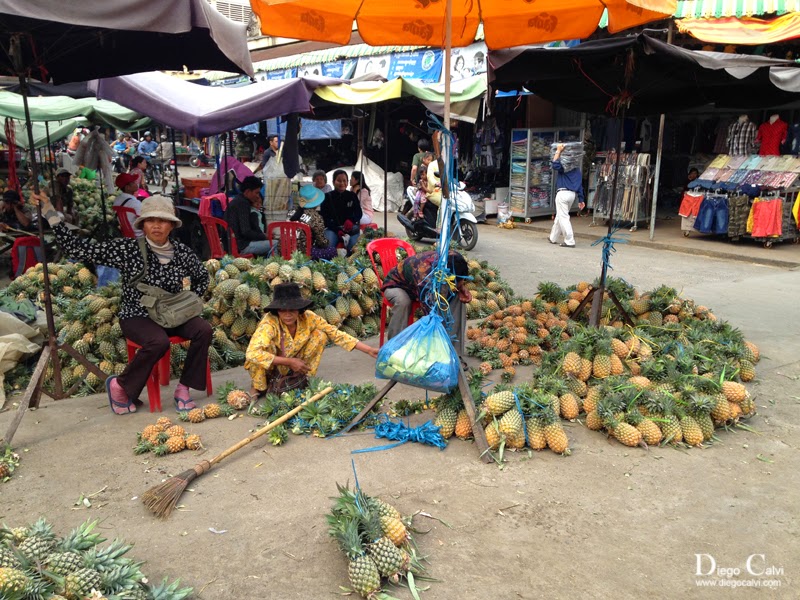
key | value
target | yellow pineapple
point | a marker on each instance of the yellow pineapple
(536, 437)
(499, 402)
(593, 421)
(619, 348)
(747, 371)
(721, 411)
(163, 423)
(176, 431)
(569, 405)
(734, 392)
(193, 442)
(175, 444)
(555, 435)
(463, 426)
(571, 365)
(212, 410)
(586, 370)
(395, 530)
(493, 436)
(196, 415)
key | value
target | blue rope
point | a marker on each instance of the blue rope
(427, 434)
(522, 414)
(608, 242)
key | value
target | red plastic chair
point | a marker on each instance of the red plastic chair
(210, 225)
(289, 236)
(160, 374)
(386, 249)
(124, 220)
(31, 259)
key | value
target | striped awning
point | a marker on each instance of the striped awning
(743, 31)
(717, 9)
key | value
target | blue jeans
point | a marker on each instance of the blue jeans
(259, 248)
(333, 239)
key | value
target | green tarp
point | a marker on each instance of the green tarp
(60, 108)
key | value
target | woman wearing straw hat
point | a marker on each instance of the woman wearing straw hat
(291, 339)
(310, 198)
(168, 263)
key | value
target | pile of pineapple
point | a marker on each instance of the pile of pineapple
(164, 437)
(489, 292)
(229, 400)
(89, 204)
(36, 563)
(344, 293)
(375, 540)
(673, 378)
(9, 461)
(322, 418)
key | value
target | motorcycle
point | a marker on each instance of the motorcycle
(465, 231)
(154, 170)
(200, 160)
(120, 162)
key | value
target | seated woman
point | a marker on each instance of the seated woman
(310, 198)
(341, 212)
(360, 188)
(291, 339)
(168, 263)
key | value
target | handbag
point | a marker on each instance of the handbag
(165, 308)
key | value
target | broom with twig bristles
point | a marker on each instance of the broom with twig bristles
(162, 498)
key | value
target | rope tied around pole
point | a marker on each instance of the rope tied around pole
(608, 242)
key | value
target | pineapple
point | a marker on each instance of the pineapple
(617, 368)
(571, 364)
(493, 437)
(63, 563)
(554, 433)
(150, 432)
(463, 428)
(619, 348)
(691, 431)
(510, 425)
(499, 402)
(734, 392)
(651, 434)
(79, 584)
(212, 410)
(569, 406)
(196, 415)
(446, 421)
(238, 399)
(362, 571)
(721, 411)
(13, 583)
(751, 352)
(193, 442)
(319, 282)
(390, 560)
(39, 542)
(593, 421)
(175, 431)
(175, 444)
(747, 370)
(395, 530)
(332, 315)
(586, 370)
(601, 366)
(485, 368)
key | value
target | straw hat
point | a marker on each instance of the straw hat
(157, 207)
(287, 297)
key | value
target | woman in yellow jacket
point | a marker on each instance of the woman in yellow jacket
(291, 339)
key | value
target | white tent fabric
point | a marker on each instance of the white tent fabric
(373, 175)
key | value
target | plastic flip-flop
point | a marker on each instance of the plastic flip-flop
(184, 405)
(113, 403)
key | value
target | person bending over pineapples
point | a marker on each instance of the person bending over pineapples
(290, 340)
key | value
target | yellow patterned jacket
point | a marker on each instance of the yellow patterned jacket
(266, 341)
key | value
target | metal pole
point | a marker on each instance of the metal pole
(659, 152)
(448, 45)
(50, 149)
(385, 169)
(597, 302)
(175, 161)
(48, 301)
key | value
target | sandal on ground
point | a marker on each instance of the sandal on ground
(118, 408)
(184, 405)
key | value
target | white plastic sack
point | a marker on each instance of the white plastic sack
(17, 339)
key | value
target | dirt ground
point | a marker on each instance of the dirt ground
(607, 522)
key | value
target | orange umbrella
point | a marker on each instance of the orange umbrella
(506, 23)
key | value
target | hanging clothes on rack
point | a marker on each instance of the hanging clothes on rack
(712, 217)
(690, 205)
(739, 210)
(767, 217)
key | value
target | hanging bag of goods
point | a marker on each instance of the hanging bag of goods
(421, 355)
(164, 308)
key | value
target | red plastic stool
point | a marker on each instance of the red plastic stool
(160, 374)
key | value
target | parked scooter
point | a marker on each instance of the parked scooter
(464, 232)
(154, 170)
(200, 160)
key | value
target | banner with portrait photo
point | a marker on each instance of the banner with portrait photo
(378, 65)
(466, 62)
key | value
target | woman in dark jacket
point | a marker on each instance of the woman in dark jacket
(341, 212)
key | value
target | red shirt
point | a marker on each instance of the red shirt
(771, 136)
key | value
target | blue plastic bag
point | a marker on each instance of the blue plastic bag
(421, 355)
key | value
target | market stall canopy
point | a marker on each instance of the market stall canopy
(202, 110)
(57, 130)
(465, 94)
(58, 108)
(78, 89)
(645, 75)
(745, 31)
(506, 23)
(72, 41)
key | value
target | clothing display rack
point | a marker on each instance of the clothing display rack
(532, 181)
(633, 189)
(765, 215)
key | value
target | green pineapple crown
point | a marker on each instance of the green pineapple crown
(551, 292)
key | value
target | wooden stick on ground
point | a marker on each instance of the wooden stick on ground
(31, 392)
(162, 498)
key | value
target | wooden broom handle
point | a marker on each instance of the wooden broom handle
(270, 427)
